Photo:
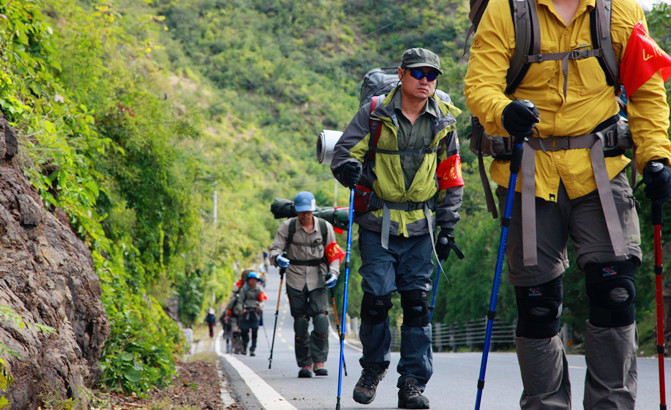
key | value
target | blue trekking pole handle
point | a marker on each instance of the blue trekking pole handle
(344, 299)
(515, 164)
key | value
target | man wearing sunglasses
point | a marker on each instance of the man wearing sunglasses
(402, 158)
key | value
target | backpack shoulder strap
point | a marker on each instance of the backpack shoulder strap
(292, 230)
(527, 40)
(601, 37)
(372, 144)
(323, 230)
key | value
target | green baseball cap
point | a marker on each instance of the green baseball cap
(420, 57)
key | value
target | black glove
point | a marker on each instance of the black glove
(349, 173)
(657, 179)
(519, 118)
(443, 243)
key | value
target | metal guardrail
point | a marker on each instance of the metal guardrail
(451, 337)
(470, 335)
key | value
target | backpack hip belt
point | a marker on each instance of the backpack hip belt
(595, 142)
(378, 203)
(309, 262)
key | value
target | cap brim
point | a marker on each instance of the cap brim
(424, 65)
(304, 209)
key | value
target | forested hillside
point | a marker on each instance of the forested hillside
(132, 116)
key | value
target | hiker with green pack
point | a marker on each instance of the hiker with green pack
(400, 154)
(312, 262)
(547, 72)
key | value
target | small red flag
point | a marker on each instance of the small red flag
(333, 251)
(642, 58)
(449, 173)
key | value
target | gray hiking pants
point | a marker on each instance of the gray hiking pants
(611, 378)
(610, 352)
(311, 347)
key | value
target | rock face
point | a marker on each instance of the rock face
(46, 277)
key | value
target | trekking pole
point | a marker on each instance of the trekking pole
(335, 311)
(277, 311)
(265, 333)
(515, 163)
(344, 299)
(657, 227)
(460, 255)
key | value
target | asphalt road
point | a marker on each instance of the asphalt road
(453, 385)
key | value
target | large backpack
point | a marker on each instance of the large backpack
(378, 81)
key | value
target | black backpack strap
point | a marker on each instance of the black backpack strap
(475, 15)
(322, 229)
(422, 151)
(527, 41)
(292, 230)
(478, 132)
(600, 19)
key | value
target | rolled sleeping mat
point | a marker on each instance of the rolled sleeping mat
(325, 145)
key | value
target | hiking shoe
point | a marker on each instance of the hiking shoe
(320, 370)
(410, 396)
(305, 372)
(251, 353)
(364, 391)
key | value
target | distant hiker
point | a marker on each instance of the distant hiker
(402, 157)
(312, 263)
(227, 328)
(250, 307)
(231, 317)
(211, 320)
(573, 180)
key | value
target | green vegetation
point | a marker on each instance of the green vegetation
(132, 115)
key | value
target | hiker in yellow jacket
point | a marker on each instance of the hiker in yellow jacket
(563, 165)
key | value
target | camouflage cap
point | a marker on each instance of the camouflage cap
(420, 57)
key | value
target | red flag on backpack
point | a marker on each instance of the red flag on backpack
(642, 59)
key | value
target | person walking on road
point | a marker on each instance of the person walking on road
(232, 314)
(250, 305)
(211, 320)
(312, 262)
(413, 170)
(573, 184)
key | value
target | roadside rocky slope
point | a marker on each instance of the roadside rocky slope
(46, 277)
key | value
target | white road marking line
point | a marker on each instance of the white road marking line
(265, 394)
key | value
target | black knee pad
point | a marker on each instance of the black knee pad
(539, 309)
(301, 324)
(611, 292)
(374, 308)
(415, 305)
(321, 324)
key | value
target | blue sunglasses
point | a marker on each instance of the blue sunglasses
(419, 74)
